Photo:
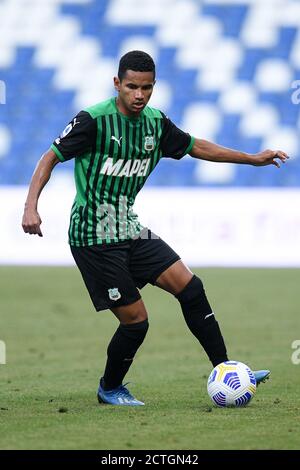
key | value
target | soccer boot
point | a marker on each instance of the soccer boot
(261, 376)
(117, 396)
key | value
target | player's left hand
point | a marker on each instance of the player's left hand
(269, 157)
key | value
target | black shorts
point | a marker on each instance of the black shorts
(113, 273)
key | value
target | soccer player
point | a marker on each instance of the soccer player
(117, 144)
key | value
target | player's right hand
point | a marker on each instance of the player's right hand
(31, 222)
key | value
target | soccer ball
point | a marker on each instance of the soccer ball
(231, 383)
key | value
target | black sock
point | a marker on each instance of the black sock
(201, 320)
(121, 351)
(210, 337)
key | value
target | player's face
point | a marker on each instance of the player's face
(134, 91)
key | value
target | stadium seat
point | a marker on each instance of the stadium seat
(225, 72)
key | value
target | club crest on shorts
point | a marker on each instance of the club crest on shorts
(114, 293)
(149, 143)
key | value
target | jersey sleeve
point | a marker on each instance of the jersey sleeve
(174, 142)
(76, 138)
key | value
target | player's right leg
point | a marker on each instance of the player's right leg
(120, 354)
(106, 275)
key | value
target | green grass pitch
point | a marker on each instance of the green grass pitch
(56, 350)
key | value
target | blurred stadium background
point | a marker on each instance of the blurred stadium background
(227, 70)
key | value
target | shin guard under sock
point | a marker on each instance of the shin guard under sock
(121, 351)
(201, 320)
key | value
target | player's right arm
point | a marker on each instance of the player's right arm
(31, 221)
(77, 137)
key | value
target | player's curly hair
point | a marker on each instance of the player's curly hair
(138, 61)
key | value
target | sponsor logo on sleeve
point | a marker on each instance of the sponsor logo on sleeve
(68, 128)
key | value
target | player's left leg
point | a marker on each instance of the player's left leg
(198, 314)
(153, 260)
(188, 289)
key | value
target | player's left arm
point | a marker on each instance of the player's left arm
(205, 150)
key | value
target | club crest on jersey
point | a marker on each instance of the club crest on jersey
(149, 143)
(114, 293)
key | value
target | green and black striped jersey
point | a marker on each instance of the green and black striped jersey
(114, 155)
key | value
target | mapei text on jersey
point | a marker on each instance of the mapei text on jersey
(128, 169)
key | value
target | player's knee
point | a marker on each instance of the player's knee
(133, 313)
(191, 291)
(128, 338)
(193, 300)
(134, 317)
(136, 331)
